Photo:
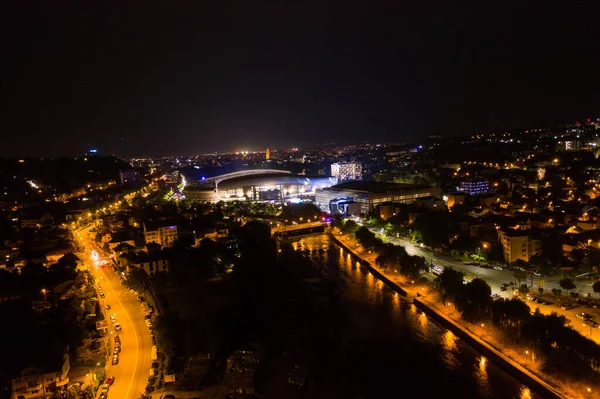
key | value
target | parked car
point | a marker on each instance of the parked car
(584, 316)
(107, 307)
(590, 322)
(503, 288)
(168, 396)
(110, 380)
(115, 360)
(567, 306)
(117, 326)
(117, 338)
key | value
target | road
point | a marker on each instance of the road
(495, 278)
(132, 372)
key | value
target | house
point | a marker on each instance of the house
(42, 383)
(123, 248)
(162, 233)
(72, 259)
(151, 261)
(54, 255)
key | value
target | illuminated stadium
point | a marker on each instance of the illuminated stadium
(258, 185)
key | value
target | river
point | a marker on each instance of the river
(395, 350)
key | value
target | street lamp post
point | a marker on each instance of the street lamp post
(589, 391)
(526, 356)
(482, 325)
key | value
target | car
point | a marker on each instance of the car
(110, 380)
(567, 306)
(498, 268)
(107, 307)
(117, 338)
(584, 316)
(103, 395)
(101, 295)
(590, 322)
(117, 326)
(115, 360)
(503, 288)
(168, 396)
(117, 349)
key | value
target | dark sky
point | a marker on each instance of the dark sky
(175, 77)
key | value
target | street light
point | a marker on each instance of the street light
(482, 325)
(526, 356)
(589, 391)
(44, 292)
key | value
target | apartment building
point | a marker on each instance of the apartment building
(164, 234)
(519, 244)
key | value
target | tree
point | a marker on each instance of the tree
(520, 275)
(433, 228)
(476, 300)
(412, 266)
(137, 279)
(349, 227)
(596, 287)
(451, 283)
(567, 284)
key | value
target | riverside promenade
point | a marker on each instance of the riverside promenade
(418, 292)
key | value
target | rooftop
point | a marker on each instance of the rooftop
(374, 187)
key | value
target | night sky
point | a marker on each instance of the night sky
(175, 77)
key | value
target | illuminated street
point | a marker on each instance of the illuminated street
(132, 372)
(495, 278)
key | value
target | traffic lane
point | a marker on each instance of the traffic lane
(132, 361)
(496, 276)
(128, 358)
(144, 340)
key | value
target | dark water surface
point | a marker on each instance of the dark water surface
(396, 351)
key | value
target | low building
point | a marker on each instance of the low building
(162, 233)
(369, 194)
(42, 383)
(152, 261)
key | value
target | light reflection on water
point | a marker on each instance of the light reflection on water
(374, 312)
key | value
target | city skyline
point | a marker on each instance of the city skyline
(154, 80)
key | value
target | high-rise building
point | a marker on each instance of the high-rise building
(267, 154)
(347, 171)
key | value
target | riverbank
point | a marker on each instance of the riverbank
(421, 290)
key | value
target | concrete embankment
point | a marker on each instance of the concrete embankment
(541, 387)
(538, 385)
(393, 286)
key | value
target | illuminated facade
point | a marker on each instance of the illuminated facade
(474, 187)
(370, 194)
(347, 171)
(165, 236)
(519, 244)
